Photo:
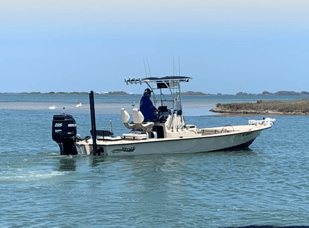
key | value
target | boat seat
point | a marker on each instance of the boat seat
(125, 119)
(138, 120)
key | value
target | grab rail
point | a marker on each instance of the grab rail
(228, 125)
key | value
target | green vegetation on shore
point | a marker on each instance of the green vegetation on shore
(77, 93)
(296, 107)
(279, 93)
(191, 93)
(194, 93)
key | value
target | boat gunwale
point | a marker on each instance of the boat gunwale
(130, 142)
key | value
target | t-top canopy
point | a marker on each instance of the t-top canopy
(157, 80)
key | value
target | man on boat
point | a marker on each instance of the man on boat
(146, 106)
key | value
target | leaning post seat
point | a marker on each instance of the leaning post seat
(138, 119)
(138, 124)
(125, 119)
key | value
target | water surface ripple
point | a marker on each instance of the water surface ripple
(264, 185)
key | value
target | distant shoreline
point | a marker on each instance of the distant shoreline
(70, 93)
(188, 93)
(295, 107)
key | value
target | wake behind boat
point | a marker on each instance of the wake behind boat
(165, 133)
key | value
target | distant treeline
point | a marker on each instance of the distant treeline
(194, 93)
(82, 93)
(279, 93)
(191, 93)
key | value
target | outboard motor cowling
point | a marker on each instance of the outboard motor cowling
(64, 133)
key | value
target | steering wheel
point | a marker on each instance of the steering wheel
(157, 115)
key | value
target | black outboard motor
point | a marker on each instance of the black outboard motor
(64, 133)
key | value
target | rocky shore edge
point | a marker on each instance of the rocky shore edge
(295, 107)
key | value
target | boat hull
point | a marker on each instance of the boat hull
(184, 145)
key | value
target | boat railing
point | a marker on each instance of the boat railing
(225, 128)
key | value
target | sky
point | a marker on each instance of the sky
(225, 46)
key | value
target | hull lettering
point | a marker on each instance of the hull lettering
(124, 149)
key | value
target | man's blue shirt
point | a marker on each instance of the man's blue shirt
(147, 108)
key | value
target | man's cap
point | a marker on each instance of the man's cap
(147, 91)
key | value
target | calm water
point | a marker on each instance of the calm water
(267, 184)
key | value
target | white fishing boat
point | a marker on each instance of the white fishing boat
(166, 134)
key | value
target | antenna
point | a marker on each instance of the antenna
(148, 67)
(173, 65)
(179, 64)
(174, 68)
(111, 123)
(145, 66)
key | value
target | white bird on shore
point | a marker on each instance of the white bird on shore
(133, 104)
(78, 105)
(52, 107)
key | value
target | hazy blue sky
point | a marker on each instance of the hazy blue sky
(226, 46)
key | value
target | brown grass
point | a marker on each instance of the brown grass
(296, 106)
